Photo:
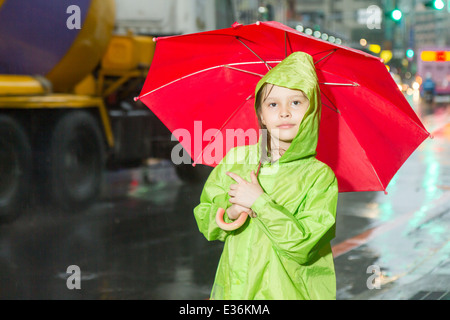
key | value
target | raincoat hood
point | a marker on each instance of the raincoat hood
(298, 72)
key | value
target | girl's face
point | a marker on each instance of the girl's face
(282, 112)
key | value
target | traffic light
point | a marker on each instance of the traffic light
(396, 15)
(435, 4)
(410, 54)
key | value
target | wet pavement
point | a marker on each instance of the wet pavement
(140, 241)
(396, 246)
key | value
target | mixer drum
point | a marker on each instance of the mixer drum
(36, 38)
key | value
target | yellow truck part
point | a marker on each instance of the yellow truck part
(16, 85)
(61, 101)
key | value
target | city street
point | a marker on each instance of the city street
(102, 100)
(141, 240)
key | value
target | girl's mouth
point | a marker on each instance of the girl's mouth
(285, 126)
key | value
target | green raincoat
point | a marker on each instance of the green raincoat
(285, 252)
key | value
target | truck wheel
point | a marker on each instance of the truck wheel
(76, 160)
(15, 168)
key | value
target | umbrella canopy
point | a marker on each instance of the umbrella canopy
(203, 84)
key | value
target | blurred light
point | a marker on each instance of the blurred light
(308, 31)
(363, 42)
(375, 48)
(386, 55)
(338, 41)
(317, 34)
(396, 15)
(431, 176)
(409, 91)
(386, 209)
(299, 28)
(438, 4)
(262, 9)
(416, 85)
(332, 39)
(405, 87)
(410, 53)
(435, 56)
(419, 80)
(324, 36)
(416, 96)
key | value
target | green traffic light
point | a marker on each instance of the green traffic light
(435, 4)
(410, 53)
(396, 15)
(438, 4)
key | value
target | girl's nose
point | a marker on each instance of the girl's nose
(284, 113)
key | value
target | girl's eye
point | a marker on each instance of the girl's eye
(273, 104)
(296, 103)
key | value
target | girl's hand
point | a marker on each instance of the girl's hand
(235, 211)
(244, 193)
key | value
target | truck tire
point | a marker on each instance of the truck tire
(76, 161)
(15, 168)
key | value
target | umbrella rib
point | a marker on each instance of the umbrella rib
(351, 84)
(335, 108)
(179, 79)
(209, 69)
(285, 44)
(244, 71)
(288, 41)
(220, 130)
(382, 98)
(340, 84)
(332, 51)
(205, 70)
(331, 108)
(267, 65)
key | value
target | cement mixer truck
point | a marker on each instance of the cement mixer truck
(67, 82)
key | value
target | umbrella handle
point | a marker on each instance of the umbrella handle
(236, 224)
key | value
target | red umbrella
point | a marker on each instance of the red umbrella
(200, 85)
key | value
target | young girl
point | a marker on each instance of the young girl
(283, 251)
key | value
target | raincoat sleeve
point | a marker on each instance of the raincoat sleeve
(213, 197)
(301, 234)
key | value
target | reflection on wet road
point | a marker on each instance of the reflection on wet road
(405, 233)
(144, 245)
(141, 240)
